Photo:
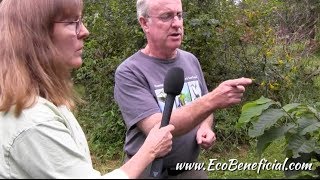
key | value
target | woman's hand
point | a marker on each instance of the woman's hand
(159, 141)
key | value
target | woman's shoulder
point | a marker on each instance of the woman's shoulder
(42, 111)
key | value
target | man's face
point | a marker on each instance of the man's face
(165, 24)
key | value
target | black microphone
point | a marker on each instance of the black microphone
(173, 84)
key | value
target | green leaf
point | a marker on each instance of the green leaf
(265, 121)
(195, 22)
(299, 144)
(251, 110)
(290, 107)
(307, 125)
(262, 100)
(270, 135)
(304, 110)
(313, 110)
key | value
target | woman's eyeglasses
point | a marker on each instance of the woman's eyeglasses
(78, 24)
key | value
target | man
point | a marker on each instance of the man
(139, 90)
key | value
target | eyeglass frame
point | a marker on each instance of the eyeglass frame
(77, 22)
(170, 17)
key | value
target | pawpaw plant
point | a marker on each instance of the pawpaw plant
(268, 120)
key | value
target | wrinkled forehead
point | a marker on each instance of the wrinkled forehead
(67, 9)
(159, 6)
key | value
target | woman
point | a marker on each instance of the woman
(41, 42)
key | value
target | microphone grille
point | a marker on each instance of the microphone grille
(173, 81)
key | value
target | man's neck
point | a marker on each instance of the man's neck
(159, 54)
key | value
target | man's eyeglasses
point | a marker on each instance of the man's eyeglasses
(78, 24)
(169, 16)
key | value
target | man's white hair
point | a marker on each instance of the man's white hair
(142, 8)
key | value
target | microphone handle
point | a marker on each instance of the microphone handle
(157, 164)
(167, 110)
(156, 168)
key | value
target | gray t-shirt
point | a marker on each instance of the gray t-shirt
(139, 94)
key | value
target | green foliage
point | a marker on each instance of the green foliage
(299, 123)
(229, 40)
(250, 110)
(113, 37)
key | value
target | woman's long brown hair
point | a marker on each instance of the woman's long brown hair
(30, 64)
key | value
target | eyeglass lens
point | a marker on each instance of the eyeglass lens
(165, 17)
(78, 26)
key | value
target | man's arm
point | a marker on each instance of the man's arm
(189, 116)
(205, 135)
(208, 122)
(184, 118)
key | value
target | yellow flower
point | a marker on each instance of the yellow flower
(288, 57)
(280, 62)
(274, 86)
(269, 53)
(294, 69)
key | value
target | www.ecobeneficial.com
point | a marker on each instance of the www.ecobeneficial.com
(235, 165)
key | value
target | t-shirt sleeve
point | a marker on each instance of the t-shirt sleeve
(134, 97)
(204, 87)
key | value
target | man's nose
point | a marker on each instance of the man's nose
(176, 22)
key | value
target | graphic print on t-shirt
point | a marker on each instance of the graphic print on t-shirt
(190, 91)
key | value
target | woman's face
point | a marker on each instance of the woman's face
(68, 36)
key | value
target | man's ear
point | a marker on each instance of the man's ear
(144, 23)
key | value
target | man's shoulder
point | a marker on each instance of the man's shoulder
(128, 62)
(137, 62)
(186, 53)
(183, 51)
